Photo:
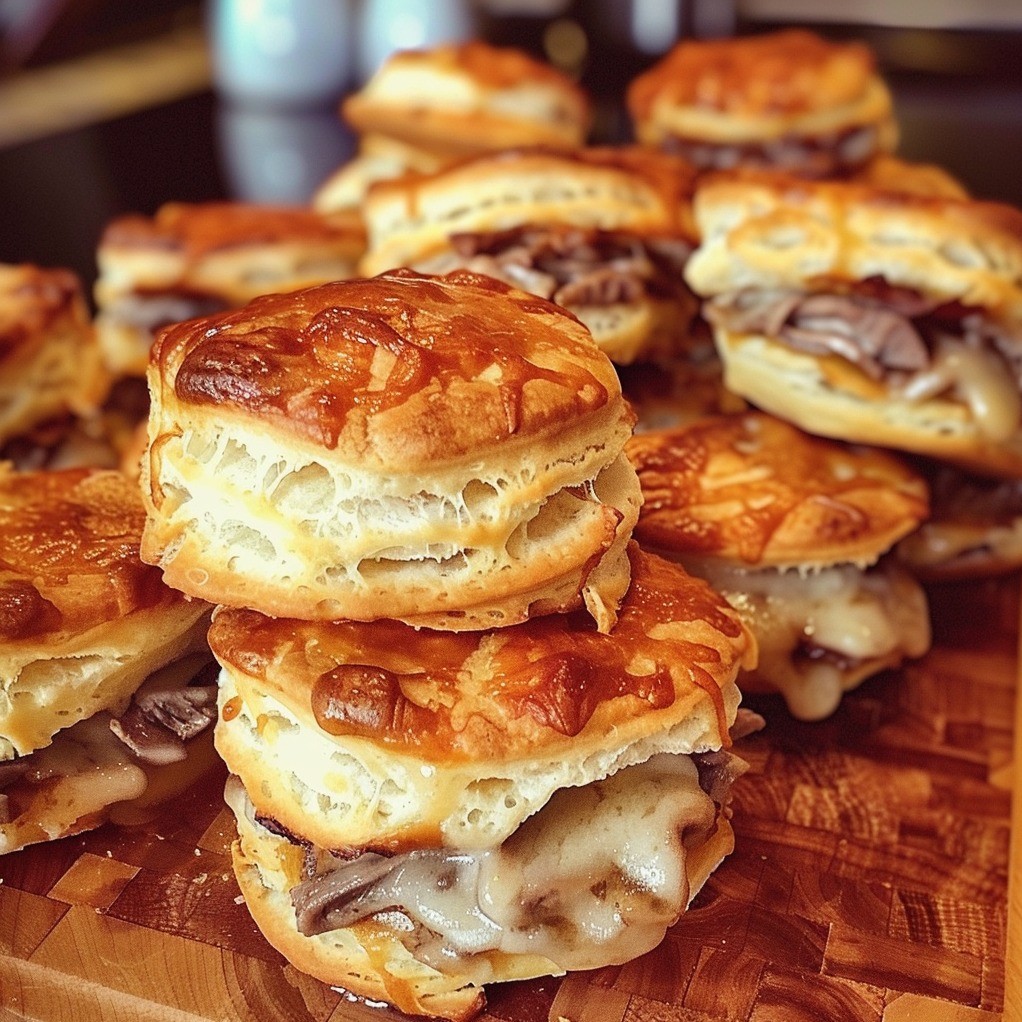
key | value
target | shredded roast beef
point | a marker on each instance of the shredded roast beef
(866, 332)
(890, 333)
(720, 769)
(575, 267)
(822, 156)
(346, 894)
(157, 724)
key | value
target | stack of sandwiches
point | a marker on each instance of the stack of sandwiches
(507, 466)
(474, 733)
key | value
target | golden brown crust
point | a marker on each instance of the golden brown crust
(792, 71)
(491, 721)
(307, 365)
(49, 359)
(69, 559)
(779, 85)
(762, 229)
(470, 97)
(445, 450)
(753, 489)
(627, 190)
(892, 174)
(196, 230)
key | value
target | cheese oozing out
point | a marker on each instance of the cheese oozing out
(864, 620)
(595, 878)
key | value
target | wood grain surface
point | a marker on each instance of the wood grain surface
(869, 882)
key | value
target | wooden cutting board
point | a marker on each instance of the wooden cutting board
(869, 881)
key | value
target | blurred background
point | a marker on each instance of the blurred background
(112, 106)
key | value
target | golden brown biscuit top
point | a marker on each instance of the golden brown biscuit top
(489, 67)
(401, 367)
(201, 228)
(790, 72)
(769, 229)
(69, 552)
(31, 299)
(754, 489)
(453, 697)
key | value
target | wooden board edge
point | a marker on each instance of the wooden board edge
(1013, 942)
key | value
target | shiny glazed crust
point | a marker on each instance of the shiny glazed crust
(753, 489)
(769, 230)
(385, 448)
(766, 87)
(469, 98)
(356, 735)
(368, 959)
(82, 620)
(626, 190)
(49, 359)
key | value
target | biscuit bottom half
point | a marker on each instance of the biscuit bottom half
(595, 878)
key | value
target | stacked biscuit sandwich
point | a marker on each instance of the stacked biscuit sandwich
(474, 733)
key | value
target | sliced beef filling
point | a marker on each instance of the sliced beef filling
(814, 157)
(918, 347)
(575, 267)
(343, 893)
(158, 723)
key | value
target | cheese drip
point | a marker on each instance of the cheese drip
(870, 619)
(595, 878)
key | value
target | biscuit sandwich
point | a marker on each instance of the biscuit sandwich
(424, 108)
(422, 813)
(790, 100)
(867, 315)
(192, 259)
(793, 531)
(443, 450)
(603, 232)
(102, 691)
(52, 378)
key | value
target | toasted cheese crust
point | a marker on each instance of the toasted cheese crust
(454, 739)
(389, 448)
(760, 89)
(754, 490)
(470, 97)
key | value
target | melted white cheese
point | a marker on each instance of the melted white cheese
(595, 878)
(863, 616)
